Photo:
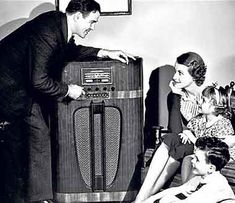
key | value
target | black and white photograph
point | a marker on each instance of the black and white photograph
(112, 101)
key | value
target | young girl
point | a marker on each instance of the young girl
(213, 122)
(167, 158)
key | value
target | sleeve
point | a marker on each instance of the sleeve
(193, 123)
(223, 128)
(78, 52)
(174, 114)
(210, 194)
(201, 196)
(42, 48)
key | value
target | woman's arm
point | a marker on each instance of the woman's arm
(174, 115)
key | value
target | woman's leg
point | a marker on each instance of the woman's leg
(168, 171)
(158, 163)
(186, 169)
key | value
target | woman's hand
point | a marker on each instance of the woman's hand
(175, 89)
(184, 138)
(190, 137)
(187, 136)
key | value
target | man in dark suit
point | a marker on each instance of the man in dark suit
(31, 58)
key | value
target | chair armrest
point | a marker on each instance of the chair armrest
(159, 130)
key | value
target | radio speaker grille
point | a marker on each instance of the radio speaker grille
(101, 146)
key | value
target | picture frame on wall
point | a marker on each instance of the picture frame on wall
(108, 7)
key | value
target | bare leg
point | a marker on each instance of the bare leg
(186, 169)
(158, 163)
(170, 168)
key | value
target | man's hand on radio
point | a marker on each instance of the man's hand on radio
(116, 54)
(75, 91)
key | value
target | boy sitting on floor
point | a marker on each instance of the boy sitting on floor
(209, 185)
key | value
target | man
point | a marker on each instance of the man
(208, 185)
(31, 59)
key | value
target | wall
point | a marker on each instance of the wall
(158, 31)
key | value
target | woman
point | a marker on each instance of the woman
(182, 104)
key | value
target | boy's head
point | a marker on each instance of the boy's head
(211, 155)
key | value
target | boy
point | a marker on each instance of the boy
(209, 185)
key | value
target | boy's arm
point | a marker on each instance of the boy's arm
(186, 189)
(196, 197)
(167, 192)
(208, 194)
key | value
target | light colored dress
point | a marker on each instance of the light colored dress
(189, 106)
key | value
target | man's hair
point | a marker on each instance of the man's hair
(217, 151)
(196, 65)
(83, 6)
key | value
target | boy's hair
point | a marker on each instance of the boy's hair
(196, 65)
(217, 151)
(220, 100)
(83, 6)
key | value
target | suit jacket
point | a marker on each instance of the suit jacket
(31, 60)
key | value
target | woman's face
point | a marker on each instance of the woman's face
(182, 79)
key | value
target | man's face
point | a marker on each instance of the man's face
(182, 78)
(199, 162)
(83, 25)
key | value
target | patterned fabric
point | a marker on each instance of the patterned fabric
(189, 107)
(221, 128)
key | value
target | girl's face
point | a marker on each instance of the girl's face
(182, 79)
(206, 105)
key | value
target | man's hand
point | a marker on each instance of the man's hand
(115, 54)
(75, 91)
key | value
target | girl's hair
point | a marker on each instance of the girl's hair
(197, 67)
(220, 100)
(217, 151)
(83, 6)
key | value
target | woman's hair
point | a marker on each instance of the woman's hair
(217, 151)
(83, 6)
(197, 67)
(220, 100)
